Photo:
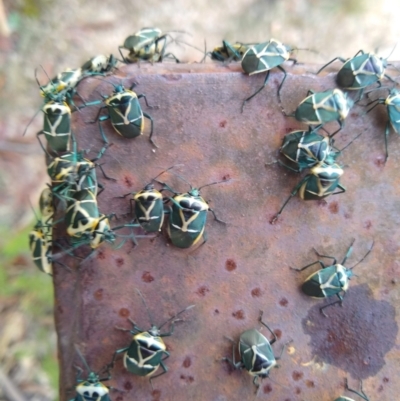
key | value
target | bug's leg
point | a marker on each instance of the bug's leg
(165, 370)
(293, 193)
(340, 301)
(330, 62)
(386, 140)
(281, 84)
(311, 264)
(151, 128)
(145, 99)
(258, 91)
(342, 190)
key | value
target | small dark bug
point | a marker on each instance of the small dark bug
(319, 108)
(188, 216)
(330, 280)
(125, 113)
(321, 182)
(392, 103)
(229, 52)
(146, 44)
(256, 354)
(362, 70)
(147, 351)
(91, 388)
(263, 57)
(360, 394)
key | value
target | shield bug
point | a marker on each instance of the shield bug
(319, 108)
(321, 182)
(256, 353)
(125, 113)
(392, 103)
(188, 216)
(228, 52)
(330, 280)
(99, 65)
(363, 70)
(146, 44)
(91, 388)
(361, 394)
(147, 351)
(263, 57)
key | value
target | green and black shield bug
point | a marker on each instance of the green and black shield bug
(149, 206)
(188, 216)
(263, 57)
(361, 393)
(99, 65)
(65, 81)
(125, 113)
(392, 103)
(91, 388)
(319, 108)
(256, 354)
(321, 182)
(147, 351)
(330, 280)
(146, 44)
(363, 70)
(229, 52)
(305, 149)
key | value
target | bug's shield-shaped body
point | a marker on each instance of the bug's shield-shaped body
(264, 57)
(88, 391)
(99, 64)
(142, 38)
(149, 209)
(305, 148)
(187, 219)
(40, 250)
(64, 81)
(323, 107)
(322, 182)
(126, 114)
(102, 232)
(361, 71)
(256, 353)
(144, 354)
(327, 282)
(82, 215)
(392, 103)
(57, 125)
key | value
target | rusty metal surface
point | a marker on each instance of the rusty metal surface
(244, 266)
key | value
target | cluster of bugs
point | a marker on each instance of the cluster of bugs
(74, 185)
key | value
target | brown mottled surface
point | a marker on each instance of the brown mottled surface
(244, 266)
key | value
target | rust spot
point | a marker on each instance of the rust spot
(278, 333)
(298, 390)
(187, 362)
(385, 380)
(380, 388)
(283, 302)
(60, 310)
(256, 292)
(202, 291)
(239, 314)
(379, 161)
(128, 386)
(289, 129)
(367, 224)
(333, 207)
(101, 255)
(310, 383)
(128, 181)
(188, 379)
(123, 312)
(222, 123)
(267, 388)
(347, 216)
(156, 395)
(297, 375)
(98, 295)
(355, 330)
(354, 114)
(120, 261)
(147, 277)
(216, 311)
(230, 265)
(226, 177)
(119, 398)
